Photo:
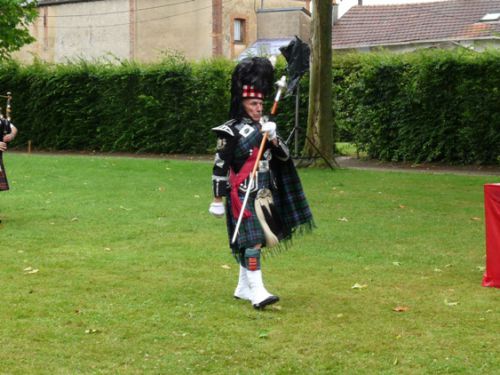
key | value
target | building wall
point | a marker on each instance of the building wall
(142, 30)
(182, 26)
(103, 31)
(43, 31)
(482, 45)
(80, 30)
(238, 9)
(282, 23)
(247, 10)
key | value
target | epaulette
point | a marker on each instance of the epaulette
(225, 128)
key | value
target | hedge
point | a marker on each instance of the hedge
(426, 106)
(159, 108)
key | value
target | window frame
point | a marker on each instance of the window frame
(242, 30)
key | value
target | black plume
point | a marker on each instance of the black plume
(254, 71)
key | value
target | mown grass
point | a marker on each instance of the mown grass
(133, 275)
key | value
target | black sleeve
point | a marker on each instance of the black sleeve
(223, 158)
(281, 150)
(4, 127)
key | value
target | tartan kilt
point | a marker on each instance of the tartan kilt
(4, 184)
(250, 232)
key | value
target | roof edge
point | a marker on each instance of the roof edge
(351, 46)
(60, 2)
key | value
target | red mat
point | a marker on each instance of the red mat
(492, 214)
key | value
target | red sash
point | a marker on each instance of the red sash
(235, 179)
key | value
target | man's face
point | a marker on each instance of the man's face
(253, 108)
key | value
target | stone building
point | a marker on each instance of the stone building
(144, 30)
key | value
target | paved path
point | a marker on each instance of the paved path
(354, 163)
(342, 161)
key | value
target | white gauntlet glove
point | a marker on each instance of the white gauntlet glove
(217, 209)
(270, 128)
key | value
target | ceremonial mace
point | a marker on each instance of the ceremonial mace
(281, 84)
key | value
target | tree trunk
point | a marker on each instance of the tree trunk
(320, 130)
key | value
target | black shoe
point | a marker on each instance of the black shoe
(267, 301)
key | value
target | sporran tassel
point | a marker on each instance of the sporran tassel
(268, 217)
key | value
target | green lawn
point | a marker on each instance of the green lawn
(113, 266)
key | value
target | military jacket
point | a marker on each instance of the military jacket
(236, 140)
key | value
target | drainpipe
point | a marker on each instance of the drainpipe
(335, 12)
(217, 40)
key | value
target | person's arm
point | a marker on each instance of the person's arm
(278, 147)
(220, 171)
(222, 163)
(3, 146)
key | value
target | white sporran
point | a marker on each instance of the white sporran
(266, 213)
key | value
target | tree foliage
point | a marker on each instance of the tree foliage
(15, 17)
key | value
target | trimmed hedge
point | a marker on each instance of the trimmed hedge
(162, 108)
(130, 107)
(424, 106)
(427, 106)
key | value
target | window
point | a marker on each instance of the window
(491, 17)
(239, 30)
